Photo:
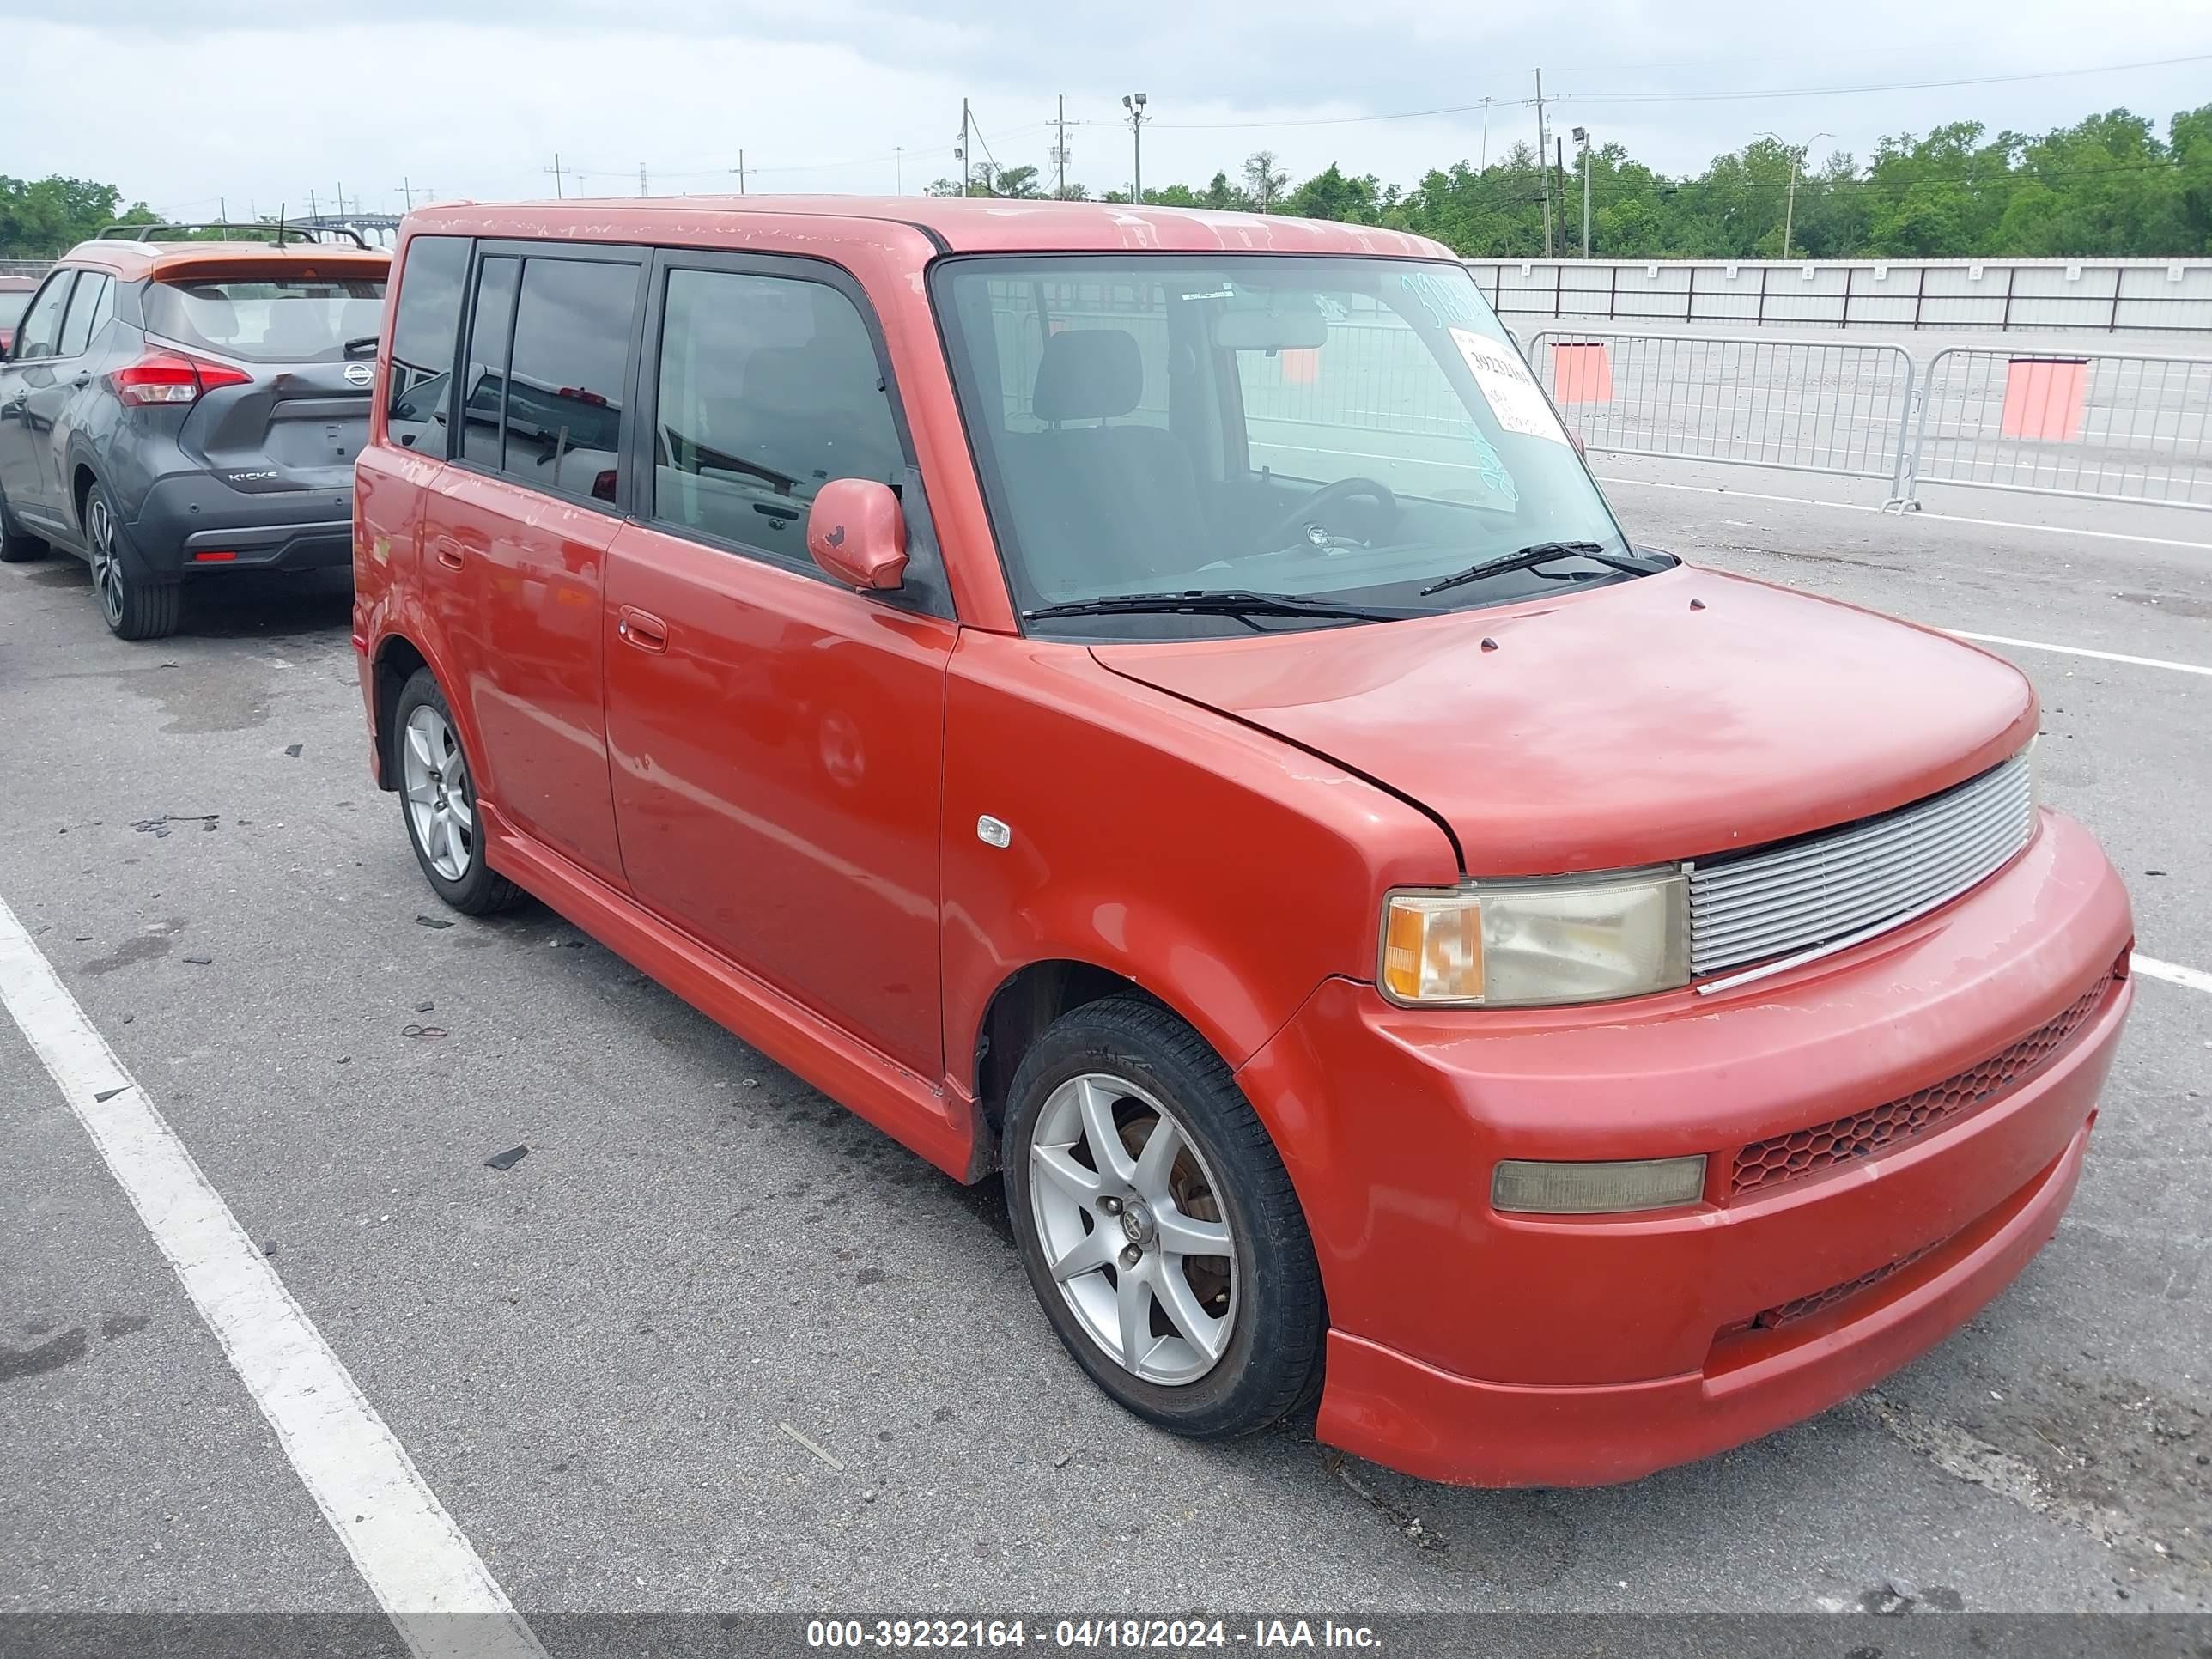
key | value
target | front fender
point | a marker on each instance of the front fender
(1220, 869)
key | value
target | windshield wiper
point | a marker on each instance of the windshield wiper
(1217, 602)
(1542, 553)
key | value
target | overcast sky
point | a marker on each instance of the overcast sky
(262, 103)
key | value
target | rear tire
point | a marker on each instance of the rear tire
(132, 607)
(17, 547)
(438, 801)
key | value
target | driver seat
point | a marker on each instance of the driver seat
(1101, 505)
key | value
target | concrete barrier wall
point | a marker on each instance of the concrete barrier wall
(2119, 297)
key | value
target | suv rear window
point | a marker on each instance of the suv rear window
(280, 318)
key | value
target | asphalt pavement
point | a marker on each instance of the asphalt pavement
(592, 1356)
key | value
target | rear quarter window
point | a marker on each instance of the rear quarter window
(424, 329)
(279, 317)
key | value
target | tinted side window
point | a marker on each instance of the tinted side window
(564, 386)
(482, 389)
(89, 307)
(768, 388)
(425, 325)
(42, 322)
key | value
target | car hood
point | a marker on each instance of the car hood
(1675, 716)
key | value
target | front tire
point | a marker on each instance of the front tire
(1158, 1224)
(133, 608)
(438, 802)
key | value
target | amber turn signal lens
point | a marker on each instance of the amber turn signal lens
(1432, 949)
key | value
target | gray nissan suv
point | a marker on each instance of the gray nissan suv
(174, 410)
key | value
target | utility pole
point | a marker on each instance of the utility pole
(1060, 150)
(963, 147)
(1135, 103)
(559, 193)
(407, 191)
(223, 206)
(1582, 137)
(1542, 145)
(898, 168)
(1485, 164)
(741, 172)
(313, 212)
(641, 179)
(341, 200)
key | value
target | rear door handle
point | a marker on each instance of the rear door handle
(448, 551)
(642, 629)
(82, 380)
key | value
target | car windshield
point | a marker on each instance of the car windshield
(1346, 430)
(267, 319)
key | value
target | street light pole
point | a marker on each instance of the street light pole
(1797, 152)
(1135, 103)
(1582, 137)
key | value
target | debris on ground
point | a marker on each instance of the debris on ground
(424, 1007)
(811, 1447)
(159, 827)
(201, 961)
(423, 1031)
(508, 1159)
(433, 921)
(1404, 1520)
(293, 749)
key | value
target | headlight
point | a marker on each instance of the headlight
(1569, 938)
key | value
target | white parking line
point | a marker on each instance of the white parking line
(2194, 978)
(2080, 651)
(416, 1562)
(1918, 518)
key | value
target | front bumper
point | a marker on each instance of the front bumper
(191, 514)
(1473, 1346)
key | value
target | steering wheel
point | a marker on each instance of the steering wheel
(1298, 524)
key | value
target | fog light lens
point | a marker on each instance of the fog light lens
(1649, 1183)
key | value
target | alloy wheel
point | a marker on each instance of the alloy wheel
(106, 563)
(1130, 1219)
(440, 805)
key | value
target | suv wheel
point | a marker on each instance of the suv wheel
(438, 798)
(1158, 1226)
(134, 610)
(16, 547)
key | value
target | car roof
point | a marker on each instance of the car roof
(953, 224)
(132, 259)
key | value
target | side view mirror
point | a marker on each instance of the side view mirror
(857, 533)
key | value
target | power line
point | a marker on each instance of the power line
(1887, 86)
(1680, 97)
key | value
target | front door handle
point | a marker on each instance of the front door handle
(642, 629)
(448, 551)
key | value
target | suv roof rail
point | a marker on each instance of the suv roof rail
(276, 232)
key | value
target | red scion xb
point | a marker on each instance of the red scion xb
(1153, 704)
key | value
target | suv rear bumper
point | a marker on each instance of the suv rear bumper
(190, 515)
(1474, 1345)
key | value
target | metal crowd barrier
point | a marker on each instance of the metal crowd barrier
(1810, 406)
(2110, 426)
(2106, 425)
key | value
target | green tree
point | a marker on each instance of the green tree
(43, 218)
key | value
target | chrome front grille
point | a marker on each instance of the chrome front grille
(1825, 890)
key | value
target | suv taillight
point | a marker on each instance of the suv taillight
(170, 377)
